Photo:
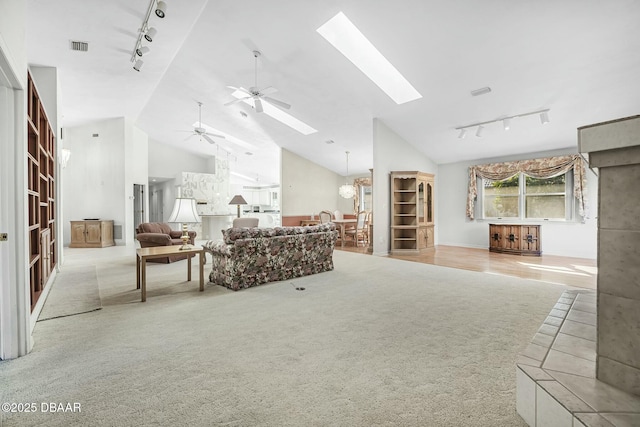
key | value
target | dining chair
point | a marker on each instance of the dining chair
(358, 233)
(325, 216)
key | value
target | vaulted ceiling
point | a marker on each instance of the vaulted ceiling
(578, 58)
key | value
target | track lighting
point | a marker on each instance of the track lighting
(544, 117)
(142, 50)
(151, 33)
(506, 122)
(161, 9)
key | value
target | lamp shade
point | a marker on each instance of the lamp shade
(238, 200)
(184, 210)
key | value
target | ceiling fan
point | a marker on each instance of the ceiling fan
(258, 95)
(202, 132)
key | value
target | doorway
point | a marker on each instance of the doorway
(156, 209)
(138, 206)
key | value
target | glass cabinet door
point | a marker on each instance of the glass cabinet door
(429, 203)
(421, 200)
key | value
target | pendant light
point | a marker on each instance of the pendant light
(347, 190)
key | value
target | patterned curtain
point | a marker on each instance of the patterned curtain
(536, 168)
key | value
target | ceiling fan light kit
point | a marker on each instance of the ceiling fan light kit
(506, 122)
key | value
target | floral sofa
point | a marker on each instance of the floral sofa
(252, 256)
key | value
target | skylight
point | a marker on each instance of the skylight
(345, 37)
(278, 114)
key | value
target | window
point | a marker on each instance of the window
(524, 197)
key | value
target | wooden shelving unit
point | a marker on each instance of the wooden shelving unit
(412, 219)
(41, 157)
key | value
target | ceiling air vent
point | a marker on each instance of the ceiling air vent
(79, 46)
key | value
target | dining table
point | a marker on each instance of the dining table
(342, 223)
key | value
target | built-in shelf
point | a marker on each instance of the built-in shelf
(40, 193)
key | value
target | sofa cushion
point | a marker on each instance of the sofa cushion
(230, 235)
(154, 227)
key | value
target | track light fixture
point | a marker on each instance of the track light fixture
(147, 32)
(142, 50)
(161, 9)
(506, 122)
(151, 33)
(462, 134)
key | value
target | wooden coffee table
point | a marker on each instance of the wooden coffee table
(143, 254)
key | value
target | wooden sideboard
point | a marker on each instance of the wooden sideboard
(91, 234)
(519, 239)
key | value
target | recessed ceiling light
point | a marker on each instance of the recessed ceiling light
(278, 114)
(481, 91)
(329, 141)
(344, 36)
(248, 153)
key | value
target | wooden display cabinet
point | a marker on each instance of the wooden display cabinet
(412, 212)
(518, 239)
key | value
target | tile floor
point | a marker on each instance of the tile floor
(555, 374)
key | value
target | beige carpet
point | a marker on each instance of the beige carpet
(375, 342)
(74, 291)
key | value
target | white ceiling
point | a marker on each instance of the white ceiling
(579, 58)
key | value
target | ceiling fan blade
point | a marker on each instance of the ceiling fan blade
(258, 102)
(241, 89)
(215, 135)
(235, 101)
(209, 140)
(268, 90)
(276, 102)
(188, 137)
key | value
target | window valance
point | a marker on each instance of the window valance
(547, 167)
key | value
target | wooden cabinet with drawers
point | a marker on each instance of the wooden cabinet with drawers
(519, 239)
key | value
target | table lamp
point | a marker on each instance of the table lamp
(184, 211)
(238, 200)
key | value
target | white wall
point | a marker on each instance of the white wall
(308, 188)
(573, 239)
(13, 38)
(392, 153)
(95, 175)
(136, 172)
(15, 313)
(166, 161)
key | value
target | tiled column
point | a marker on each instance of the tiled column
(614, 148)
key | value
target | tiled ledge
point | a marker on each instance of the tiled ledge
(555, 375)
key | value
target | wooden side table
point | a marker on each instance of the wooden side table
(143, 254)
(305, 222)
